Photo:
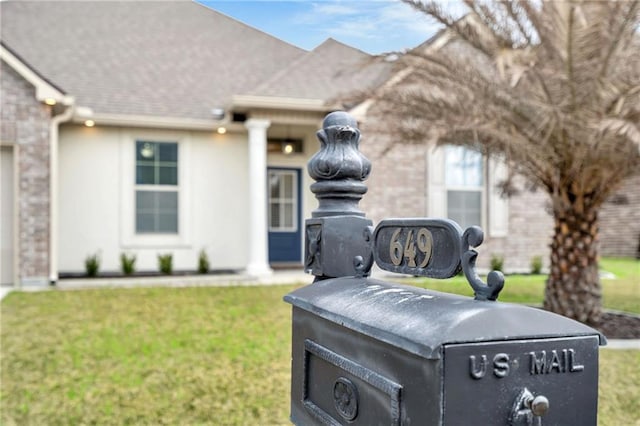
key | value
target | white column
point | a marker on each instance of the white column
(258, 264)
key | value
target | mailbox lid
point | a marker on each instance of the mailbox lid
(422, 321)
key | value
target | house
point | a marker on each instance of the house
(148, 128)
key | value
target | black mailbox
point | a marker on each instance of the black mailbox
(368, 352)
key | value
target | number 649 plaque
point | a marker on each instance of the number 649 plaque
(421, 247)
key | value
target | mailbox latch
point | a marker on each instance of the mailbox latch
(528, 409)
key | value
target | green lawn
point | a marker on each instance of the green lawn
(195, 356)
(620, 293)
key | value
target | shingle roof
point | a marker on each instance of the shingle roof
(174, 59)
(328, 71)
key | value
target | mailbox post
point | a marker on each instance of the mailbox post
(368, 352)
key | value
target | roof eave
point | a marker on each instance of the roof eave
(158, 122)
(44, 89)
(277, 102)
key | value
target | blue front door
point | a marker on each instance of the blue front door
(285, 243)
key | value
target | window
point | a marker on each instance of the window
(156, 187)
(283, 209)
(464, 182)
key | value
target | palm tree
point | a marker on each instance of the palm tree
(554, 89)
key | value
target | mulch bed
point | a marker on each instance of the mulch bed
(617, 325)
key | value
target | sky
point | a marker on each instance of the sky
(374, 26)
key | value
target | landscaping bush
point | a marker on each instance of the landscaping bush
(536, 265)
(165, 263)
(203, 262)
(127, 263)
(92, 265)
(497, 262)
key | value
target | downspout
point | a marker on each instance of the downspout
(65, 116)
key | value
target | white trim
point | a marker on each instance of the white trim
(282, 201)
(44, 89)
(54, 129)
(275, 102)
(128, 237)
(498, 205)
(159, 122)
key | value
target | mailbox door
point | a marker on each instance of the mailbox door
(494, 383)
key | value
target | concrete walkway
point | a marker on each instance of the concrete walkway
(224, 280)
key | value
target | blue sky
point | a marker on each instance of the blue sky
(374, 26)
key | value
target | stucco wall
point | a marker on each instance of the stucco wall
(97, 171)
(25, 123)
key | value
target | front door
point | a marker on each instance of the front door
(285, 243)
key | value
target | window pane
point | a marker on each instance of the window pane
(156, 212)
(167, 201)
(274, 185)
(146, 151)
(288, 186)
(465, 207)
(168, 175)
(463, 167)
(168, 223)
(168, 152)
(288, 215)
(145, 201)
(145, 175)
(145, 223)
(274, 216)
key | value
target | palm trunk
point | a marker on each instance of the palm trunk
(573, 287)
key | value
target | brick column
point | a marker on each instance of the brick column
(25, 123)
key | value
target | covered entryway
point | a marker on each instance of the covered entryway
(284, 203)
(6, 215)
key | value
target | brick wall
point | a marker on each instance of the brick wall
(620, 221)
(25, 122)
(398, 188)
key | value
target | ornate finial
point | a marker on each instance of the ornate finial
(339, 168)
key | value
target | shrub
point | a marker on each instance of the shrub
(165, 263)
(203, 262)
(92, 265)
(127, 263)
(536, 265)
(497, 262)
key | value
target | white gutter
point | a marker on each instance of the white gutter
(54, 127)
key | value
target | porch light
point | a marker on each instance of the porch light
(287, 148)
(50, 101)
(89, 123)
(222, 130)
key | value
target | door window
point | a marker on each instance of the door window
(283, 209)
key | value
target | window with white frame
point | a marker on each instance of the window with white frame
(464, 182)
(156, 188)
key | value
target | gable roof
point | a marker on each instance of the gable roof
(329, 70)
(164, 58)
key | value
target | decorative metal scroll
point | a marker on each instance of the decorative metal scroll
(341, 242)
(435, 248)
(490, 290)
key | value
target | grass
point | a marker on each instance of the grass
(189, 356)
(621, 293)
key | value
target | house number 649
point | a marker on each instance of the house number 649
(400, 250)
